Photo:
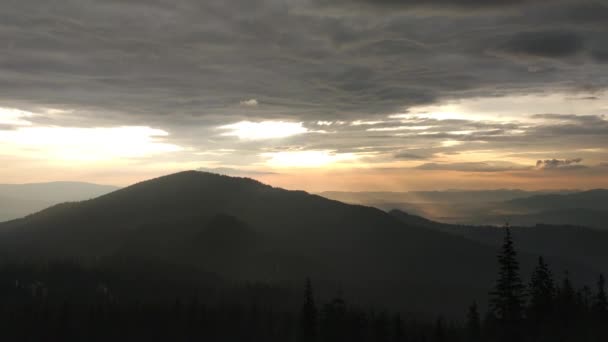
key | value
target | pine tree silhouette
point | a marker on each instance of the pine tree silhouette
(600, 304)
(439, 330)
(542, 296)
(508, 296)
(566, 309)
(566, 297)
(398, 335)
(334, 320)
(308, 316)
(473, 323)
(381, 328)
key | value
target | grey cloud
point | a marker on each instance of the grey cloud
(404, 155)
(582, 119)
(436, 5)
(489, 166)
(600, 54)
(582, 12)
(175, 60)
(553, 44)
(559, 163)
(5, 127)
(186, 66)
(571, 131)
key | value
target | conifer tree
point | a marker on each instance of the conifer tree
(508, 296)
(600, 304)
(398, 335)
(308, 319)
(566, 297)
(473, 323)
(333, 320)
(382, 328)
(542, 295)
(567, 310)
(439, 330)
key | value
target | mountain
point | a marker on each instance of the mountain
(593, 199)
(18, 200)
(587, 208)
(583, 217)
(447, 196)
(493, 207)
(583, 245)
(246, 231)
(452, 206)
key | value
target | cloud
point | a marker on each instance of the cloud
(15, 117)
(570, 117)
(436, 5)
(250, 102)
(248, 130)
(307, 158)
(76, 144)
(177, 63)
(550, 44)
(487, 166)
(600, 54)
(196, 69)
(559, 164)
(404, 155)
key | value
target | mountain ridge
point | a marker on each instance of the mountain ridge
(294, 235)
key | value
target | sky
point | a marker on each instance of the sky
(351, 95)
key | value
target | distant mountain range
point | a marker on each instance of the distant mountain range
(584, 245)
(493, 207)
(243, 230)
(18, 200)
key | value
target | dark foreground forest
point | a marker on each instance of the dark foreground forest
(63, 301)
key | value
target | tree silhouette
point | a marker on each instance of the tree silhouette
(508, 296)
(398, 335)
(542, 296)
(381, 328)
(473, 323)
(334, 320)
(439, 330)
(308, 315)
(600, 305)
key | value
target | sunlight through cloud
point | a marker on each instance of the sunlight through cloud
(247, 130)
(16, 117)
(84, 144)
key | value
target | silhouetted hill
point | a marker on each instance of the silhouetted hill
(447, 196)
(450, 206)
(592, 199)
(584, 245)
(587, 208)
(18, 200)
(493, 207)
(241, 229)
(597, 219)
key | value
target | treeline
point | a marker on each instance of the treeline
(541, 310)
(68, 302)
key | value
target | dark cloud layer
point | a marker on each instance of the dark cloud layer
(545, 44)
(184, 59)
(559, 163)
(488, 166)
(440, 5)
(190, 66)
